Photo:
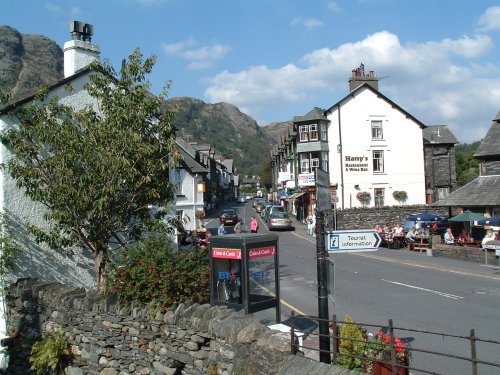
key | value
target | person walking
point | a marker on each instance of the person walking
(221, 231)
(254, 225)
(237, 227)
(309, 222)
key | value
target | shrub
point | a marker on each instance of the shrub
(350, 331)
(152, 271)
(52, 353)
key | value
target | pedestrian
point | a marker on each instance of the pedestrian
(309, 222)
(313, 229)
(221, 231)
(449, 239)
(237, 227)
(254, 225)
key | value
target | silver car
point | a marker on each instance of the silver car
(279, 220)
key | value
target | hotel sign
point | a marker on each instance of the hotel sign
(306, 179)
(356, 163)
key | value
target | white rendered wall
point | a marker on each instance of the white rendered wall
(402, 144)
(190, 200)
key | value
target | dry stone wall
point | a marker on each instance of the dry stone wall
(110, 339)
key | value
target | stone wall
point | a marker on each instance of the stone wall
(110, 339)
(470, 254)
(366, 218)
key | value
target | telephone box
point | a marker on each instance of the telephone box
(244, 272)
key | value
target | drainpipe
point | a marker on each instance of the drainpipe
(341, 158)
(195, 193)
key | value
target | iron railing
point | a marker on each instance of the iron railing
(335, 338)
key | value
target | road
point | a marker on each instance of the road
(412, 289)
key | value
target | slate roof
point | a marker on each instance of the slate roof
(188, 160)
(490, 145)
(481, 192)
(366, 86)
(438, 134)
(315, 114)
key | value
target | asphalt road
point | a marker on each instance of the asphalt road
(414, 290)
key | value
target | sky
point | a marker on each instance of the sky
(275, 59)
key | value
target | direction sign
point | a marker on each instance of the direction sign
(351, 241)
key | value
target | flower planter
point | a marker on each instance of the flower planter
(386, 369)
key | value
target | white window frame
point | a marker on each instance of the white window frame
(304, 133)
(304, 164)
(379, 197)
(313, 132)
(377, 132)
(323, 132)
(324, 160)
(314, 163)
(177, 181)
(378, 161)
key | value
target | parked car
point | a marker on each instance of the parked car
(240, 199)
(258, 200)
(228, 216)
(426, 219)
(279, 220)
(263, 212)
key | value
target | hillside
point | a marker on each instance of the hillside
(224, 126)
(27, 62)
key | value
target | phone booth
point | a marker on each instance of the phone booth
(244, 272)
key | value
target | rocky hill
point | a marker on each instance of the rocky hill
(30, 61)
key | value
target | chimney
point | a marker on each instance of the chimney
(358, 77)
(79, 52)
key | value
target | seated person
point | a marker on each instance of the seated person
(423, 231)
(464, 237)
(398, 230)
(411, 235)
(186, 238)
(489, 237)
(201, 231)
(448, 237)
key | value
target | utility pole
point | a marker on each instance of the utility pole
(322, 259)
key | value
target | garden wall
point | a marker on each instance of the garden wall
(469, 254)
(365, 218)
(110, 339)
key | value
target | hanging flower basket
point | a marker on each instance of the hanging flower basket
(400, 195)
(200, 214)
(363, 196)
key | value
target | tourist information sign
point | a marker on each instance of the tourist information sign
(351, 241)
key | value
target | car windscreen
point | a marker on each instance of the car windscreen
(279, 215)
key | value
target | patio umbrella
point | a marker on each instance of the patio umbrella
(493, 221)
(466, 216)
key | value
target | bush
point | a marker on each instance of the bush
(350, 331)
(151, 271)
(52, 353)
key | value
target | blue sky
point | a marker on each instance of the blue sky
(275, 59)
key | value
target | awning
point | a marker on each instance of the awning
(295, 196)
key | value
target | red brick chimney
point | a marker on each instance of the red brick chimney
(358, 77)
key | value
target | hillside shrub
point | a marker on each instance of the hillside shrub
(52, 353)
(151, 271)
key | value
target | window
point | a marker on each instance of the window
(324, 161)
(379, 197)
(304, 133)
(443, 192)
(180, 215)
(314, 163)
(177, 181)
(313, 132)
(378, 161)
(377, 130)
(304, 164)
(323, 132)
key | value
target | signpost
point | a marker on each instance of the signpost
(351, 241)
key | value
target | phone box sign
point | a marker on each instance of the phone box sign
(262, 252)
(226, 253)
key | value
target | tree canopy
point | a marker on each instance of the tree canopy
(101, 171)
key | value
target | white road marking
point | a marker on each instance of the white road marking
(442, 294)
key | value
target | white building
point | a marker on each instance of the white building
(375, 147)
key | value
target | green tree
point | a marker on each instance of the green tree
(98, 170)
(466, 165)
(266, 177)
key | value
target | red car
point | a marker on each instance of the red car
(228, 216)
